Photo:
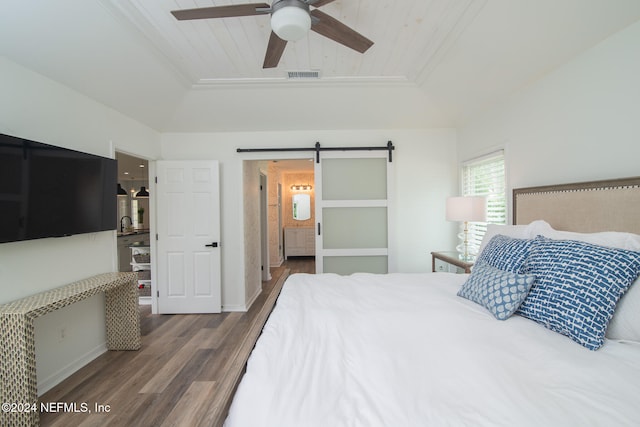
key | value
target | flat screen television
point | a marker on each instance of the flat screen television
(49, 191)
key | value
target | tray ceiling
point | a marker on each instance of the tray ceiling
(407, 37)
(435, 63)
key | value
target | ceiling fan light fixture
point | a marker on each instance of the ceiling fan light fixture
(291, 20)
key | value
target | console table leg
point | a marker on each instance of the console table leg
(123, 317)
(18, 372)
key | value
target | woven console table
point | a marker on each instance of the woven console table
(17, 341)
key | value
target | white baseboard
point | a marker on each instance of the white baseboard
(253, 297)
(46, 384)
(245, 307)
(232, 308)
(145, 301)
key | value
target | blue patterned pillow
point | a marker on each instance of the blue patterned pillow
(577, 287)
(500, 292)
(506, 253)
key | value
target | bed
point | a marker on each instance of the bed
(544, 331)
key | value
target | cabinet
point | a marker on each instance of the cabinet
(141, 265)
(299, 241)
(124, 253)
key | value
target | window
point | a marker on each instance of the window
(484, 176)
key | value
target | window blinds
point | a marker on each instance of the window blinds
(484, 176)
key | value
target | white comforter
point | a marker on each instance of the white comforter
(404, 350)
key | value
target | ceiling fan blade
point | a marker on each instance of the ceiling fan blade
(319, 3)
(337, 31)
(248, 9)
(275, 49)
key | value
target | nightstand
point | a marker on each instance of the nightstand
(444, 261)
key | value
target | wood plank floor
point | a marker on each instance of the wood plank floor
(172, 380)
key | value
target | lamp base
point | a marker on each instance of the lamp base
(465, 255)
(466, 252)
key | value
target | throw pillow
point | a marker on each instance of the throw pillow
(506, 253)
(577, 287)
(500, 292)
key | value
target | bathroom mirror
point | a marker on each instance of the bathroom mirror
(301, 207)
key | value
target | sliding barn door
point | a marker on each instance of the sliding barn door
(352, 212)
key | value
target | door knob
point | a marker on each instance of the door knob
(212, 245)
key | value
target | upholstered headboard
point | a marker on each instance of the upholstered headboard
(587, 207)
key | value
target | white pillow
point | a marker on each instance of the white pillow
(611, 239)
(625, 324)
(515, 231)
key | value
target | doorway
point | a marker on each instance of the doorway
(283, 178)
(264, 227)
(134, 218)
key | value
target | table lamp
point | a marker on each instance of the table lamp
(466, 209)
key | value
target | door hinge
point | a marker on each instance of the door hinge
(156, 236)
(156, 179)
(158, 294)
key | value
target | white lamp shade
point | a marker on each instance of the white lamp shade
(290, 23)
(469, 208)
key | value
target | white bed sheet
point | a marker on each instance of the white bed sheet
(404, 350)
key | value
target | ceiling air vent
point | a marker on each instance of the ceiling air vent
(303, 75)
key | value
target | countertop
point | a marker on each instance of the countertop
(133, 233)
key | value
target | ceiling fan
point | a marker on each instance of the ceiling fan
(290, 21)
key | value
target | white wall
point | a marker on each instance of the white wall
(581, 122)
(37, 108)
(425, 175)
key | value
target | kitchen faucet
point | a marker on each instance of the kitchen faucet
(122, 224)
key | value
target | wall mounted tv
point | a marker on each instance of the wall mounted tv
(49, 191)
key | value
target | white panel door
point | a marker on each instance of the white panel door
(352, 212)
(188, 215)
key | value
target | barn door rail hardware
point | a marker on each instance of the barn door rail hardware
(317, 148)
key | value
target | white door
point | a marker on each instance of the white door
(352, 212)
(188, 215)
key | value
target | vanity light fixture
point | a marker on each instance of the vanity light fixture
(301, 187)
